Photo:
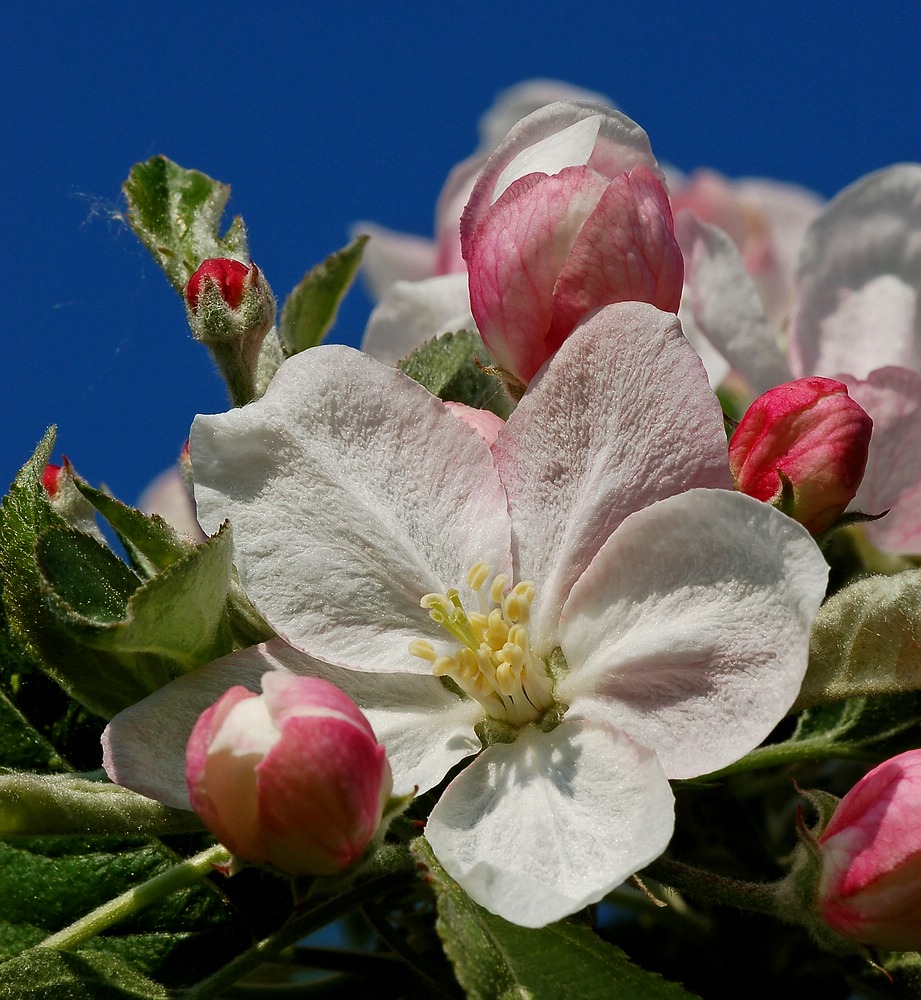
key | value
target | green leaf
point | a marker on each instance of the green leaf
(46, 884)
(178, 615)
(83, 577)
(496, 960)
(70, 804)
(25, 514)
(310, 310)
(452, 368)
(863, 728)
(176, 213)
(156, 540)
(43, 973)
(866, 640)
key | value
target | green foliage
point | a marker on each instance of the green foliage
(496, 960)
(310, 310)
(176, 213)
(107, 636)
(866, 640)
(452, 367)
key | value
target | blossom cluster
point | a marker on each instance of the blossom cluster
(546, 619)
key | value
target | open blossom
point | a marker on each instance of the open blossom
(609, 613)
(811, 433)
(870, 884)
(857, 319)
(292, 777)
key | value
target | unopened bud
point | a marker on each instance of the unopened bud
(802, 447)
(870, 881)
(231, 309)
(293, 777)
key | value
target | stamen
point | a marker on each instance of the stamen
(493, 663)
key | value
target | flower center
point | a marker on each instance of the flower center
(494, 662)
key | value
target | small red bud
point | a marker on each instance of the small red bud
(228, 275)
(50, 478)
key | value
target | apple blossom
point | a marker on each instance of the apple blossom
(584, 605)
(856, 319)
(870, 883)
(293, 777)
(803, 447)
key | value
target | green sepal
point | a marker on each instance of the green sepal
(153, 543)
(866, 640)
(176, 213)
(452, 367)
(310, 310)
(175, 620)
(496, 960)
(76, 805)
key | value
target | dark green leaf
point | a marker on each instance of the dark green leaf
(310, 310)
(451, 367)
(46, 974)
(496, 960)
(176, 213)
(84, 578)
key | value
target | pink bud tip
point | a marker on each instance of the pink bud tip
(293, 777)
(50, 478)
(228, 275)
(811, 434)
(870, 884)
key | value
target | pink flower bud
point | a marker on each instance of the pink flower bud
(870, 884)
(811, 434)
(293, 777)
(228, 275)
(553, 249)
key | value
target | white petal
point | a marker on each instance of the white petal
(425, 728)
(352, 493)
(412, 312)
(620, 146)
(892, 481)
(390, 256)
(598, 436)
(539, 828)
(690, 630)
(570, 147)
(725, 304)
(517, 102)
(860, 279)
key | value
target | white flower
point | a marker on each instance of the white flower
(654, 627)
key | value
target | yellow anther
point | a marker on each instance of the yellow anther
(498, 587)
(424, 650)
(478, 575)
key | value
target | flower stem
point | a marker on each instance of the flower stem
(794, 752)
(752, 896)
(395, 869)
(115, 910)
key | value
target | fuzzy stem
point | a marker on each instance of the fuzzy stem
(115, 910)
(752, 896)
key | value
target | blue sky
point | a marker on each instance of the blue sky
(321, 115)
